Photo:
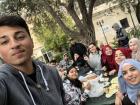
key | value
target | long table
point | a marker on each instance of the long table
(102, 100)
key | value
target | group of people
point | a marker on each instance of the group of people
(122, 62)
(24, 81)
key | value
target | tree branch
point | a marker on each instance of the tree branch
(83, 10)
(59, 21)
(60, 3)
(90, 11)
(73, 14)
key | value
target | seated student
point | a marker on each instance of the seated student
(121, 54)
(61, 72)
(134, 45)
(129, 81)
(94, 58)
(81, 64)
(73, 88)
(77, 47)
(65, 62)
(107, 60)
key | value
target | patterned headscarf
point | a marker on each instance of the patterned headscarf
(131, 90)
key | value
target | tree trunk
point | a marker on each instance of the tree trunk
(86, 37)
(138, 12)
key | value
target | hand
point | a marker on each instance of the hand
(118, 101)
(119, 95)
(103, 68)
(105, 74)
(86, 58)
(112, 72)
(119, 98)
(91, 77)
(87, 86)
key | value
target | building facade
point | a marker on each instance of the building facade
(105, 15)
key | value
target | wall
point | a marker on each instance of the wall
(107, 15)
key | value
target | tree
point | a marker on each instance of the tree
(55, 41)
(80, 12)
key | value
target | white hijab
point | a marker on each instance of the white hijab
(135, 55)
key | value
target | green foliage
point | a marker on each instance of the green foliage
(114, 43)
(46, 29)
(54, 39)
(134, 32)
(41, 12)
(58, 56)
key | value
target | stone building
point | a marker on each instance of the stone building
(106, 14)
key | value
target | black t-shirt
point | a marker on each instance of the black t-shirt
(126, 101)
(33, 75)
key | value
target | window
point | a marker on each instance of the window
(124, 23)
(48, 56)
(99, 2)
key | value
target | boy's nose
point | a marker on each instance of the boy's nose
(14, 44)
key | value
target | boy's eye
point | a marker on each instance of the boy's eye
(3, 42)
(20, 36)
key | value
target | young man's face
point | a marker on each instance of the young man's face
(16, 46)
(92, 48)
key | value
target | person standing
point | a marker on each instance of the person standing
(94, 58)
(121, 35)
(24, 81)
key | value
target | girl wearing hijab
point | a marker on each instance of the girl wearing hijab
(121, 54)
(134, 45)
(73, 88)
(107, 59)
(129, 80)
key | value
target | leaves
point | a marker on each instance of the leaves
(39, 11)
